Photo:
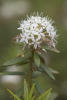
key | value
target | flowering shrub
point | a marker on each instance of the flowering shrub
(37, 37)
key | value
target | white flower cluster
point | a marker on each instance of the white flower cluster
(34, 29)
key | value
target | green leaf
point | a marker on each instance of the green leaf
(45, 96)
(38, 87)
(36, 59)
(53, 49)
(25, 91)
(31, 92)
(54, 71)
(12, 73)
(19, 60)
(44, 48)
(15, 96)
(15, 61)
(43, 56)
(36, 73)
(47, 70)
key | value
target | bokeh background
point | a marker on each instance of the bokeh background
(11, 13)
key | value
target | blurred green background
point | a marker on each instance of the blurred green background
(11, 13)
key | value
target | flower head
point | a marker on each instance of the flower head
(36, 30)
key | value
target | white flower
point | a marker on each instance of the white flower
(35, 29)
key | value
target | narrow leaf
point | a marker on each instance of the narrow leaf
(36, 73)
(16, 60)
(15, 96)
(47, 70)
(31, 92)
(43, 56)
(53, 49)
(50, 49)
(25, 91)
(45, 96)
(54, 71)
(36, 59)
(19, 60)
(38, 87)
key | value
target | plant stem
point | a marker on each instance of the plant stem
(31, 69)
(31, 74)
